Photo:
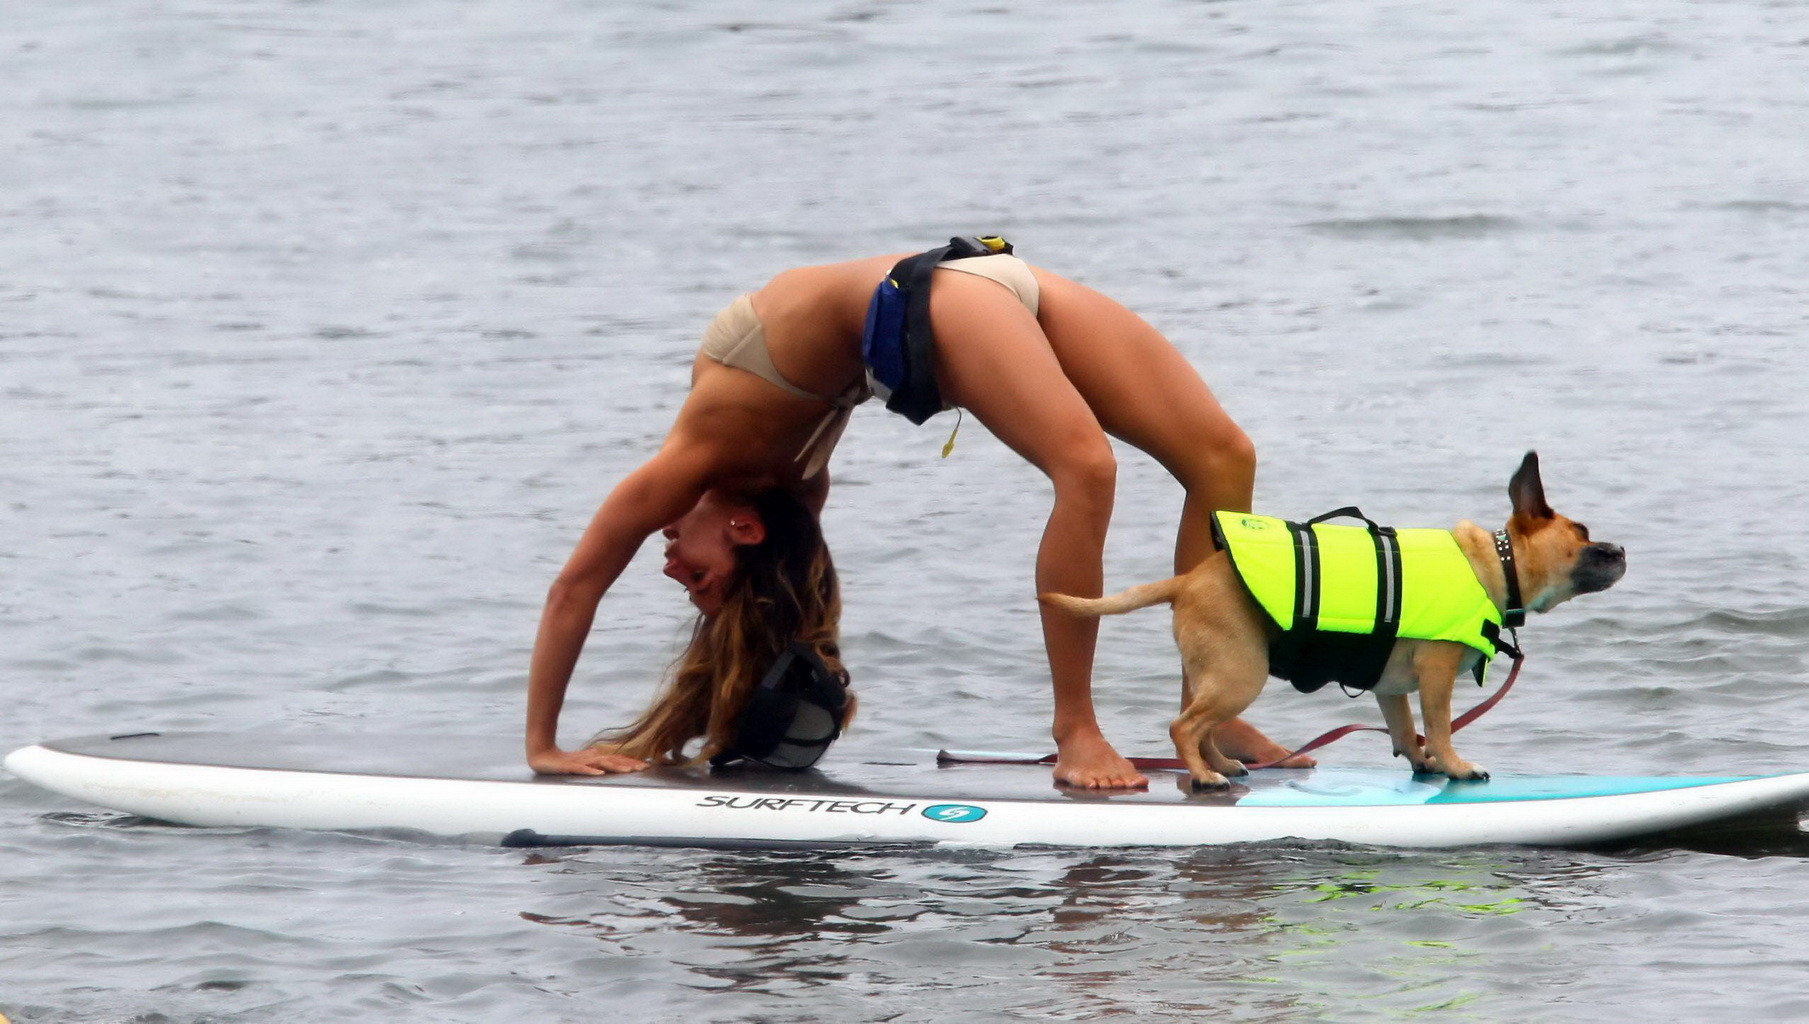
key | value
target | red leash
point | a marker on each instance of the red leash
(1175, 763)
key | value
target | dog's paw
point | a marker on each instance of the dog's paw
(1466, 772)
(1422, 764)
(1209, 783)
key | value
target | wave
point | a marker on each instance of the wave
(1419, 229)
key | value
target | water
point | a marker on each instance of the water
(324, 326)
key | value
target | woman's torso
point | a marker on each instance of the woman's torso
(812, 319)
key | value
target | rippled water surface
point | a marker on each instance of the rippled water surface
(325, 325)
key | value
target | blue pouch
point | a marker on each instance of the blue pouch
(883, 339)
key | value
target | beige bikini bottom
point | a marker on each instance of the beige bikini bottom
(1008, 270)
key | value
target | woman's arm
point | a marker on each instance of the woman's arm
(662, 490)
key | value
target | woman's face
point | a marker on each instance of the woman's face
(700, 546)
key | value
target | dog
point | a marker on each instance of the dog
(1226, 637)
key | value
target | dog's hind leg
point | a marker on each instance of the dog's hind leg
(1221, 687)
(1192, 736)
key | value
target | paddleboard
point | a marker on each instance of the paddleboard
(479, 787)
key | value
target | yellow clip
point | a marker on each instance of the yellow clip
(993, 242)
(950, 446)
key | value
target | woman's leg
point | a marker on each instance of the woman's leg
(993, 360)
(1144, 392)
(1147, 394)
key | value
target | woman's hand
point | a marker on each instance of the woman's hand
(589, 761)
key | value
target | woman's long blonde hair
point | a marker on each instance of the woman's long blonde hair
(782, 589)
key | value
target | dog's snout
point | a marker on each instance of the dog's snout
(1608, 552)
(1599, 566)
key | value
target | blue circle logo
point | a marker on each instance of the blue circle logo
(959, 814)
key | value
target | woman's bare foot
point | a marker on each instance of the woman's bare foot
(1088, 762)
(1239, 739)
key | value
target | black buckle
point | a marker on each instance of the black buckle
(965, 246)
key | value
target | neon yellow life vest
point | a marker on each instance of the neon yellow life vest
(1341, 595)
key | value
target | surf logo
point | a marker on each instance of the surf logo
(959, 814)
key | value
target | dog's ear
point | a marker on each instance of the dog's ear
(1527, 491)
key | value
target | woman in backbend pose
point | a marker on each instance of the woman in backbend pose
(1049, 366)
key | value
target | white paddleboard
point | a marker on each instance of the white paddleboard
(479, 787)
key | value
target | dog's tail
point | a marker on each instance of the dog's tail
(1141, 596)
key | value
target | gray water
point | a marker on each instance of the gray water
(325, 325)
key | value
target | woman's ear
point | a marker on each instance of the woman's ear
(746, 528)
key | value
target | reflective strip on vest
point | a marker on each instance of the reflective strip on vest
(1343, 579)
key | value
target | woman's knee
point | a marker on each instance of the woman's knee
(1236, 455)
(1086, 472)
(1223, 466)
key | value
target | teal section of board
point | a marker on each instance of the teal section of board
(1354, 787)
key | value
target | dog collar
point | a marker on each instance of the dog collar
(1514, 615)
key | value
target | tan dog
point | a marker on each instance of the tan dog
(1225, 636)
